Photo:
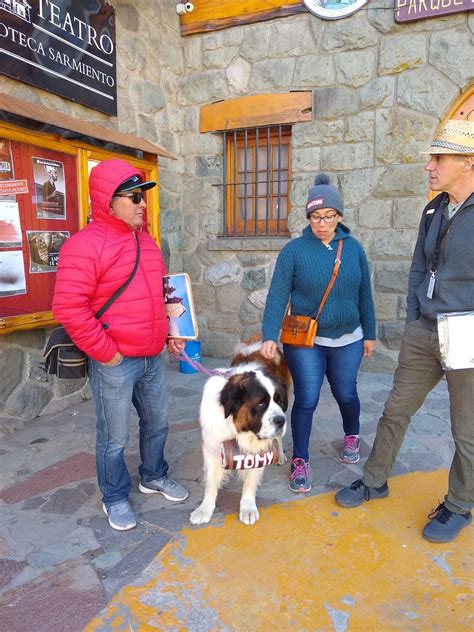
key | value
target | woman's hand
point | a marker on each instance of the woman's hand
(369, 347)
(175, 345)
(268, 349)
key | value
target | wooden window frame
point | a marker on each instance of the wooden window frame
(83, 153)
(252, 226)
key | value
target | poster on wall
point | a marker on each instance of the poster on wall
(50, 188)
(44, 247)
(10, 227)
(6, 161)
(12, 273)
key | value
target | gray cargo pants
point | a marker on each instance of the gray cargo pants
(419, 370)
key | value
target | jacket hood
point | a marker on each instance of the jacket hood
(104, 180)
(342, 232)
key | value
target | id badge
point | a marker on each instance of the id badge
(431, 284)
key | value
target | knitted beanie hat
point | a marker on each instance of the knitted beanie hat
(323, 195)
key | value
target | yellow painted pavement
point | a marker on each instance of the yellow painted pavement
(309, 565)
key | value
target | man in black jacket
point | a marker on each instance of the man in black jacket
(441, 281)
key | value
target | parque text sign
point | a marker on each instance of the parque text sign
(410, 10)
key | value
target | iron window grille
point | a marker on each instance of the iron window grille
(256, 181)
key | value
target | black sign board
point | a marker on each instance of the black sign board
(65, 47)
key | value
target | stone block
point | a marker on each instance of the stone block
(33, 339)
(407, 212)
(386, 306)
(216, 344)
(254, 279)
(258, 298)
(314, 71)
(355, 68)
(375, 214)
(391, 335)
(203, 87)
(391, 276)
(238, 76)
(306, 159)
(28, 401)
(335, 103)
(350, 34)
(223, 273)
(317, 133)
(344, 157)
(396, 243)
(219, 58)
(450, 52)
(398, 53)
(415, 91)
(379, 92)
(170, 220)
(11, 370)
(402, 181)
(228, 298)
(248, 259)
(223, 323)
(401, 134)
(360, 127)
(192, 53)
(249, 314)
(272, 74)
(291, 38)
(148, 94)
(255, 43)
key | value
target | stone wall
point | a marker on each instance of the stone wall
(379, 89)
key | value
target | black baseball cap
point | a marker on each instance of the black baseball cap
(133, 183)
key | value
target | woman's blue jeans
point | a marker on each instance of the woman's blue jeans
(308, 366)
(140, 381)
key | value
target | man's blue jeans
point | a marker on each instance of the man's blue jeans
(308, 366)
(140, 381)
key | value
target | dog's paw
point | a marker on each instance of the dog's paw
(201, 515)
(248, 514)
(283, 458)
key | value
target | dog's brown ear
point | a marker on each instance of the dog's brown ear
(281, 396)
(232, 395)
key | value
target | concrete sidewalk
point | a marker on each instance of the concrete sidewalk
(60, 562)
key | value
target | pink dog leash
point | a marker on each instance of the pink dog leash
(199, 367)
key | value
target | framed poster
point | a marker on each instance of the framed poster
(50, 188)
(179, 306)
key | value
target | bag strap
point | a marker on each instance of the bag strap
(337, 263)
(335, 270)
(123, 287)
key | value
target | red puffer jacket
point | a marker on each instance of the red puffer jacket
(98, 260)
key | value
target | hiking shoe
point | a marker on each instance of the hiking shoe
(301, 476)
(357, 493)
(350, 451)
(445, 525)
(120, 515)
(170, 489)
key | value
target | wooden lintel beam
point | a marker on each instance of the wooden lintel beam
(256, 110)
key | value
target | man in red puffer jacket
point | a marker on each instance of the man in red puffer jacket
(123, 345)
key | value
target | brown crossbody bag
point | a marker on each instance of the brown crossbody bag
(300, 331)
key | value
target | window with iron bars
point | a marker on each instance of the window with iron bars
(257, 180)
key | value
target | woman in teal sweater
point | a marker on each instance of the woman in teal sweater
(346, 330)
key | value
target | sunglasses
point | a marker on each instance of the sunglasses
(136, 196)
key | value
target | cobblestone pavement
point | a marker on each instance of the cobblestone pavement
(60, 562)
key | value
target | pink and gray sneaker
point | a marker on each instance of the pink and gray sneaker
(350, 451)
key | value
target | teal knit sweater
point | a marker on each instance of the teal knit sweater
(302, 272)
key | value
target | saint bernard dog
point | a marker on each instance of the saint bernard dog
(247, 405)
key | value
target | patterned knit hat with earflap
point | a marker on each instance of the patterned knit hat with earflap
(323, 195)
